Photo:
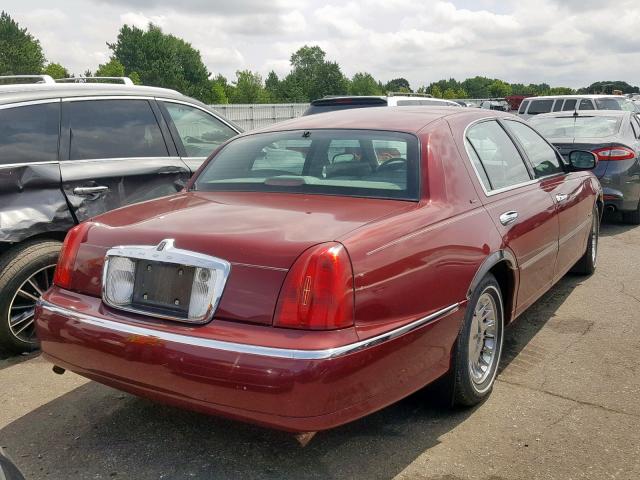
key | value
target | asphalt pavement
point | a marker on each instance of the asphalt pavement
(566, 405)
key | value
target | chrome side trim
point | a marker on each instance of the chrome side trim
(553, 247)
(29, 102)
(27, 164)
(241, 348)
(564, 239)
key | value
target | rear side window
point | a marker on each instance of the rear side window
(29, 133)
(635, 124)
(558, 105)
(541, 155)
(569, 104)
(498, 155)
(586, 104)
(114, 129)
(358, 163)
(540, 106)
(201, 133)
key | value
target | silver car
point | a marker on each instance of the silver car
(570, 103)
(614, 136)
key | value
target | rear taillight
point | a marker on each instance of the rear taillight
(614, 153)
(68, 254)
(318, 291)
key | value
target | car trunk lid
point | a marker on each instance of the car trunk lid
(260, 234)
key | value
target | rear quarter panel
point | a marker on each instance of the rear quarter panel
(416, 263)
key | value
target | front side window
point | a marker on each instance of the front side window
(114, 129)
(499, 156)
(523, 107)
(29, 133)
(332, 162)
(201, 133)
(541, 155)
(558, 105)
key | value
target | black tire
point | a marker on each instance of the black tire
(466, 390)
(632, 217)
(587, 263)
(17, 266)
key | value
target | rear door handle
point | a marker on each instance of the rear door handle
(90, 190)
(561, 197)
(508, 217)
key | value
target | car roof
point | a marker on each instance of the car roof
(405, 119)
(42, 91)
(593, 96)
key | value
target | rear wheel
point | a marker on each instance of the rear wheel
(479, 344)
(587, 264)
(25, 273)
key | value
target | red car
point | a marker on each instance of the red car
(308, 277)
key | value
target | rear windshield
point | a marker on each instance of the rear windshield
(331, 105)
(578, 127)
(359, 163)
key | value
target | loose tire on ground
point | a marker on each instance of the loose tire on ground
(27, 268)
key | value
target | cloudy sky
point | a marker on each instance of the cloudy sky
(561, 42)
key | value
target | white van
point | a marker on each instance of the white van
(563, 103)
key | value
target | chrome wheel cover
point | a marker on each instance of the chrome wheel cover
(483, 338)
(22, 306)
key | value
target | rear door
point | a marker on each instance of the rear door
(116, 151)
(30, 198)
(570, 192)
(520, 206)
(197, 132)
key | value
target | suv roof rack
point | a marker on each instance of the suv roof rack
(409, 94)
(123, 80)
(37, 78)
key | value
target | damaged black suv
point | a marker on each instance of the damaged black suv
(70, 151)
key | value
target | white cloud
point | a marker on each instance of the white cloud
(560, 42)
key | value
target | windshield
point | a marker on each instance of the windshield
(359, 163)
(576, 127)
(609, 103)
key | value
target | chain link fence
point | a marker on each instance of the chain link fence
(250, 116)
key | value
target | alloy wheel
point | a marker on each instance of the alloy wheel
(482, 338)
(22, 306)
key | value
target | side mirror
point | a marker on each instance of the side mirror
(582, 160)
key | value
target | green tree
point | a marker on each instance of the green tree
(398, 85)
(162, 60)
(436, 91)
(55, 70)
(449, 93)
(314, 77)
(364, 84)
(608, 86)
(248, 88)
(135, 78)
(498, 88)
(272, 85)
(20, 52)
(113, 68)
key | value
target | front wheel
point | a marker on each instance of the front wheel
(26, 272)
(479, 344)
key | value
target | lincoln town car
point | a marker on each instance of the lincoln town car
(320, 269)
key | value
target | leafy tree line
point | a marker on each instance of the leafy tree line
(151, 57)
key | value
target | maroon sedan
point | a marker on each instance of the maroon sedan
(323, 268)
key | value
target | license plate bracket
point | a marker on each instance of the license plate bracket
(163, 288)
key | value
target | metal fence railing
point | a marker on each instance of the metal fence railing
(250, 116)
